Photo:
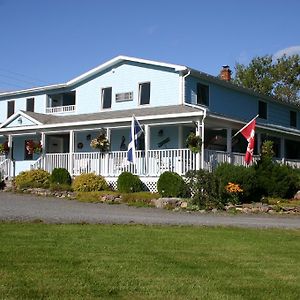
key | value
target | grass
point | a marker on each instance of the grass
(40, 261)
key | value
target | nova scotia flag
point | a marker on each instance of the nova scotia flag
(135, 133)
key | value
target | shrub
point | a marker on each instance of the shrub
(129, 183)
(276, 180)
(60, 176)
(204, 187)
(32, 179)
(89, 183)
(244, 177)
(171, 184)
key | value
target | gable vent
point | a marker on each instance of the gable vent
(124, 96)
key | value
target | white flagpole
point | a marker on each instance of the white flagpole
(245, 126)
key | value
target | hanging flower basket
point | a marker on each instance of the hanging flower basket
(37, 148)
(4, 149)
(194, 142)
(33, 147)
(100, 143)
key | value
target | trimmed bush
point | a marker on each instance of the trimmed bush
(129, 183)
(89, 183)
(32, 179)
(60, 176)
(205, 189)
(171, 184)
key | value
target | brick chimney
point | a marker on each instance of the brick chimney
(225, 73)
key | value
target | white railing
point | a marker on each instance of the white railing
(5, 168)
(60, 109)
(149, 163)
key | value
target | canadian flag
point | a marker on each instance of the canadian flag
(248, 131)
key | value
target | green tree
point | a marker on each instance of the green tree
(278, 78)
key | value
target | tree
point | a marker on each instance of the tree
(278, 78)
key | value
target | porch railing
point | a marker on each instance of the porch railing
(149, 163)
(60, 109)
(5, 169)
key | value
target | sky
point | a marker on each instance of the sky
(52, 41)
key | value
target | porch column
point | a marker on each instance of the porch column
(199, 155)
(11, 166)
(282, 149)
(180, 137)
(147, 147)
(71, 151)
(229, 143)
(43, 142)
(106, 167)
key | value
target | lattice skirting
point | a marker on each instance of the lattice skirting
(149, 183)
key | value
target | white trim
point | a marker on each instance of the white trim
(90, 73)
(18, 114)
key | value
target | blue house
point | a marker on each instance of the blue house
(169, 100)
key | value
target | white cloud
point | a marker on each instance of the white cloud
(288, 51)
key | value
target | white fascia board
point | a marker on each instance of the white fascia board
(33, 90)
(120, 58)
(269, 127)
(18, 114)
(99, 122)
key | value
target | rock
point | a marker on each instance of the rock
(184, 204)
(297, 196)
(214, 210)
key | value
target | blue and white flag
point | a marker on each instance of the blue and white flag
(135, 133)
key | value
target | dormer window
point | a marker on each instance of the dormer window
(106, 97)
(144, 93)
(202, 94)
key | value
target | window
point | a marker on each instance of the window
(202, 94)
(144, 93)
(30, 104)
(106, 97)
(262, 110)
(293, 118)
(10, 108)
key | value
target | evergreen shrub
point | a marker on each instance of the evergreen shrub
(204, 188)
(244, 177)
(129, 183)
(32, 179)
(89, 182)
(60, 176)
(171, 184)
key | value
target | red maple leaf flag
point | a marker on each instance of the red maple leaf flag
(248, 131)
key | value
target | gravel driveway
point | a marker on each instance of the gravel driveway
(16, 207)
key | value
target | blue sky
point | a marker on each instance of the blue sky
(53, 41)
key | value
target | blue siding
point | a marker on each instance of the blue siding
(236, 104)
(126, 78)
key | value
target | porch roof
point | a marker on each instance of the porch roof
(143, 113)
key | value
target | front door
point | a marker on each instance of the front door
(55, 144)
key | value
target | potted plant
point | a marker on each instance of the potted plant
(194, 142)
(37, 148)
(4, 149)
(101, 143)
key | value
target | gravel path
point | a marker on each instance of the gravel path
(16, 207)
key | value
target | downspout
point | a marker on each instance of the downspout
(183, 86)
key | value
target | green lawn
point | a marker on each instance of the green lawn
(39, 261)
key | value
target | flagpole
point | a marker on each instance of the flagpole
(245, 126)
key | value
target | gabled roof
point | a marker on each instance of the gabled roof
(19, 114)
(102, 67)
